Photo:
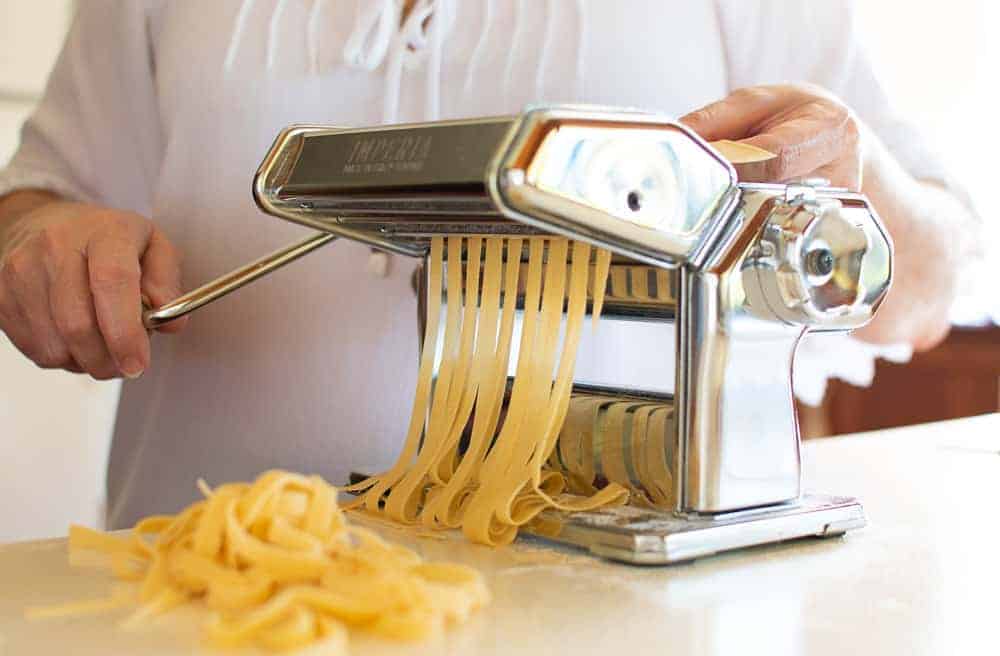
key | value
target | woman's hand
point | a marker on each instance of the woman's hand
(72, 278)
(811, 133)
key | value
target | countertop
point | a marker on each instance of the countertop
(921, 578)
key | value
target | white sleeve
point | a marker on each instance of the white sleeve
(95, 135)
(795, 41)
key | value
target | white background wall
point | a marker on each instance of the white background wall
(54, 427)
(939, 60)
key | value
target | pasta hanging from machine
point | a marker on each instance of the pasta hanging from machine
(496, 480)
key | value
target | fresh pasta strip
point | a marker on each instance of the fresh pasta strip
(739, 152)
(664, 292)
(575, 457)
(497, 479)
(658, 478)
(599, 283)
(625, 442)
(444, 503)
(640, 283)
(279, 566)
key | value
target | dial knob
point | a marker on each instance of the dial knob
(807, 267)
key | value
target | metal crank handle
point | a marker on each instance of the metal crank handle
(222, 286)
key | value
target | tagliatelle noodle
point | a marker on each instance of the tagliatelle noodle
(612, 430)
(576, 444)
(500, 481)
(619, 282)
(551, 399)
(486, 500)
(658, 480)
(445, 504)
(279, 566)
(404, 501)
(640, 283)
(663, 289)
(628, 442)
(637, 446)
(599, 283)
(377, 487)
(738, 152)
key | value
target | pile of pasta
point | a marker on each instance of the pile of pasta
(279, 566)
(470, 461)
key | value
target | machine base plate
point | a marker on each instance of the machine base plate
(649, 537)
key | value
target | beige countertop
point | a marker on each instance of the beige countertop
(922, 578)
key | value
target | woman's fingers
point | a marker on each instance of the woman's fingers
(808, 142)
(114, 275)
(26, 283)
(161, 276)
(72, 307)
(809, 132)
(14, 325)
(740, 114)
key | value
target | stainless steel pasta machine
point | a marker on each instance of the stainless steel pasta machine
(732, 274)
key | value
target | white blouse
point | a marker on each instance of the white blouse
(167, 107)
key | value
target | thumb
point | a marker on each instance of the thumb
(161, 276)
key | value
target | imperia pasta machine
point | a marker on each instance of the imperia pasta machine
(733, 274)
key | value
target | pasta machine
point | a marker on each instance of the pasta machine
(727, 277)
